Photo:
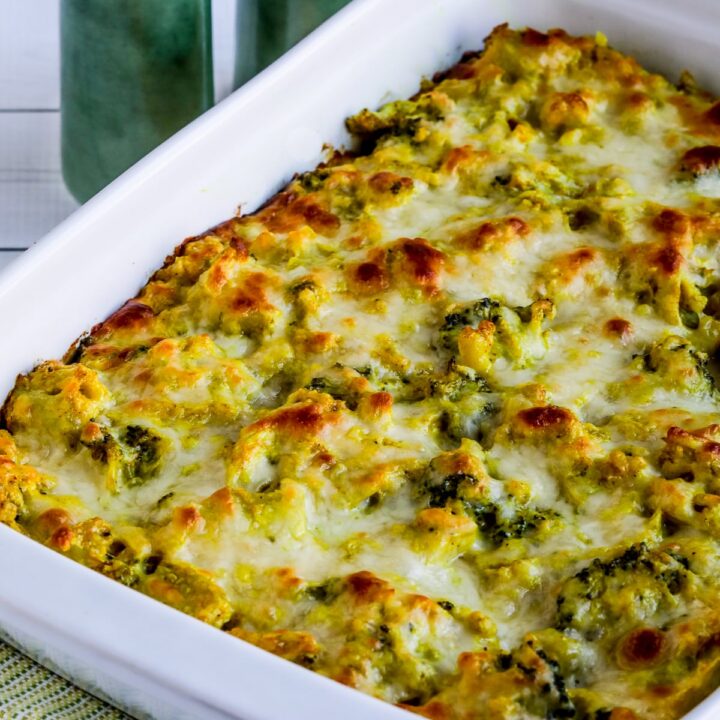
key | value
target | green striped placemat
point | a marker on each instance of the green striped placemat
(29, 691)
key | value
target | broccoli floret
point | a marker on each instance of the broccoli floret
(337, 387)
(677, 365)
(514, 333)
(620, 593)
(457, 383)
(131, 458)
(448, 489)
(144, 448)
(562, 705)
(313, 179)
(399, 118)
(466, 404)
(690, 319)
(462, 393)
(98, 545)
(549, 697)
(497, 528)
(452, 385)
(325, 592)
(712, 293)
(466, 418)
(496, 523)
(467, 315)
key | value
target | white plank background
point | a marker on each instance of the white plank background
(33, 198)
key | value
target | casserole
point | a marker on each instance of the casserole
(355, 13)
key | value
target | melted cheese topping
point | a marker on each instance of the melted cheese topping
(439, 421)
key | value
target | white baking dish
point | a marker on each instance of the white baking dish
(147, 657)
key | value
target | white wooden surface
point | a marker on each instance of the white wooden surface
(33, 198)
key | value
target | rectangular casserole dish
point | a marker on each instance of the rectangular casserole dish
(145, 656)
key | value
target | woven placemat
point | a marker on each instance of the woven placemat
(29, 691)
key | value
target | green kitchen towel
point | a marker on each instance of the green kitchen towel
(29, 691)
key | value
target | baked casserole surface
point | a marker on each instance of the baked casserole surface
(439, 421)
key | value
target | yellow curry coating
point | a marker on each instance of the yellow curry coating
(439, 421)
